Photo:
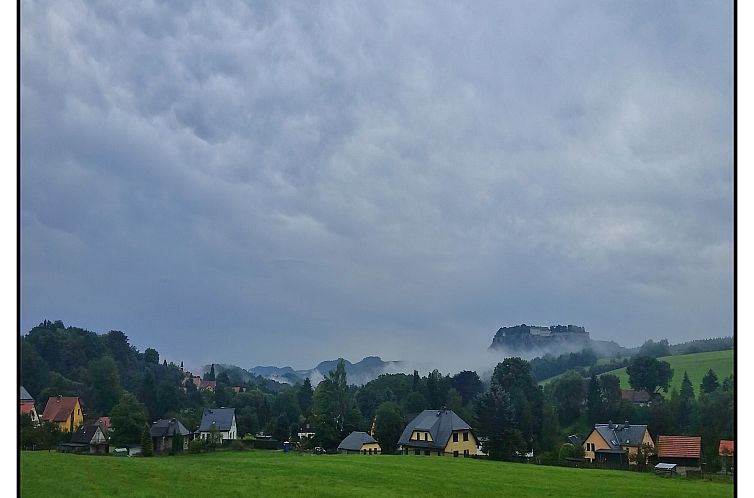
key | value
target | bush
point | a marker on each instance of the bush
(197, 446)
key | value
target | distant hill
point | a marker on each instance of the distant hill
(696, 364)
(530, 341)
(358, 373)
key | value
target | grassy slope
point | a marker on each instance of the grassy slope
(695, 364)
(276, 474)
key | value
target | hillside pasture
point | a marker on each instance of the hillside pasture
(262, 473)
(696, 365)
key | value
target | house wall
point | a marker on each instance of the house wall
(74, 420)
(420, 436)
(371, 446)
(632, 450)
(469, 446)
(599, 444)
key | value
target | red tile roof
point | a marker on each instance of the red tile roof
(726, 444)
(208, 384)
(58, 409)
(680, 446)
(27, 407)
(104, 422)
(635, 396)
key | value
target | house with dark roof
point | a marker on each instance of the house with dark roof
(684, 451)
(438, 432)
(66, 411)
(164, 431)
(88, 438)
(27, 405)
(359, 442)
(222, 420)
(615, 444)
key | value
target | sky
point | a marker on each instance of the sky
(280, 183)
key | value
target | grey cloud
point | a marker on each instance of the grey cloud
(310, 181)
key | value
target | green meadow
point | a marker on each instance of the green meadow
(696, 365)
(277, 474)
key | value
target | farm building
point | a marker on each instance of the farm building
(163, 431)
(64, 411)
(223, 420)
(640, 398)
(684, 451)
(27, 405)
(438, 432)
(88, 438)
(614, 444)
(359, 442)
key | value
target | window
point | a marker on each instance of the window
(465, 436)
(455, 437)
(370, 451)
(465, 453)
(426, 436)
(455, 454)
(589, 446)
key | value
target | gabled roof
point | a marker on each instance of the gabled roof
(208, 384)
(355, 440)
(168, 428)
(679, 447)
(59, 408)
(25, 396)
(85, 433)
(104, 422)
(726, 447)
(439, 423)
(618, 436)
(222, 418)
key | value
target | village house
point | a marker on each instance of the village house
(438, 432)
(639, 398)
(359, 442)
(684, 451)
(105, 424)
(88, 438)
(27, 406)
(615, 444)
(208, 385)
(65, 411)
(223, 420)
(164, 430)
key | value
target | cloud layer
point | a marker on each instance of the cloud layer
(275, 182)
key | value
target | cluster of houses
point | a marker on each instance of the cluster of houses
(93, 437)
(431, 432)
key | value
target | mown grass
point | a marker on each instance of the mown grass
(275, 474)
(696, 365)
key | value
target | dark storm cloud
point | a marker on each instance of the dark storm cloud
(283, 183)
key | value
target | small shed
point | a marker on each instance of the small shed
(684, 451)
(665, 469)
(88, 438)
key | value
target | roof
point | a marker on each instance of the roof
(635, 396)
(619, 435)
(85, 433)
(679, 447)
(726, 447)
(104, 422)
(168, 428)
(439, 423)
(25, 396)
(208, 384)
(27, 407)
(665, 466)
(222, 418)
(575, 440)
(59, 408)
(355, 440)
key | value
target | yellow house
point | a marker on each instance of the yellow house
(65, 411)
(615, 443)
(359, 442)
(438, 432)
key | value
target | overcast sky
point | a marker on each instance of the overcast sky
(283, 183)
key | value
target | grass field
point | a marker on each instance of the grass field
(696, 365)
(263, 473)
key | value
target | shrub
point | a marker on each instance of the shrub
(197, 446)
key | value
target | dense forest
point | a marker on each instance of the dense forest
(511, 412)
